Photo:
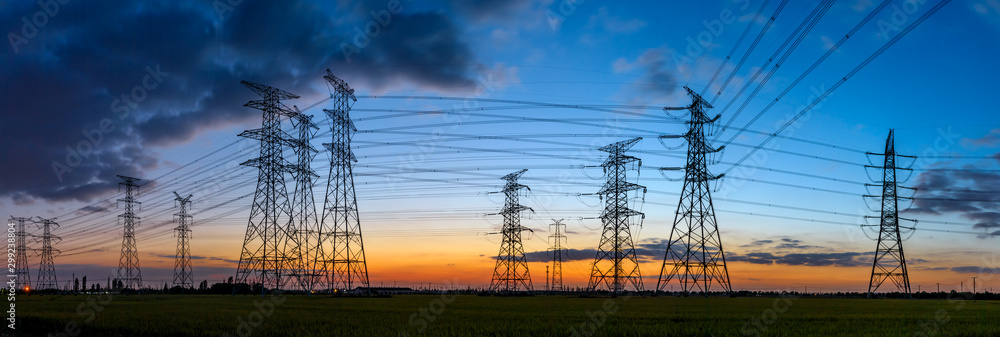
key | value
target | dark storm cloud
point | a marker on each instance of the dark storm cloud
(423, 48)
(992, 139)
(986, 225)
(659, 76)
(567, 255)
(956, 193)
(976, 270)
(933, 180)
(649, 249)
(490, 9)
(653, 249)
(62, 84)
(845, 259)
(757, 243)
(90, 209)
(782, 243)
(788, 243)
(789, 251)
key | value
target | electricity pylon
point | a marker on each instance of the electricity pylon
(21, 274)
(128, 265)
(694, 254)
(616, 265)
(341, 243)
(47, 268)
(303, 204)
(889, 263)
(557, 249)
(182, 260)
(511, 271)
(263, 259)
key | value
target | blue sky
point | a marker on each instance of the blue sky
(933, 87)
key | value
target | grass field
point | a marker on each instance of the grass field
(215, 315)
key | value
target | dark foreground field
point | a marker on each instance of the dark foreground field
(214, 315)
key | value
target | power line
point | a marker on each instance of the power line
(739, 41)
(854, 71)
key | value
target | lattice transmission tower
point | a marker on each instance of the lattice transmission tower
(182, 260)
(128, 264)
(340, 231)
(304, 205)
(47, 267)
(616, 265)
(263, 259)
(889, 263)
(22, 277)
(694, 254)
(511, 272)
(557, 237)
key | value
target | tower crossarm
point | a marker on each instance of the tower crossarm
(339, 85)
(618, 187)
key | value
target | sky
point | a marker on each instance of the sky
(152, 90)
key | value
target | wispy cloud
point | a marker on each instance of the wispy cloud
(976, 270)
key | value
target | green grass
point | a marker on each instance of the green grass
(214, 315)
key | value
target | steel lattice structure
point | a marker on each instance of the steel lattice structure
(616, 265)
(263, 259)
(182, 260)
(511, 272)
(21, 275)
(303, 205)
(128, 265)
(47, 267)
(341, 243)
(889, 263)
(557, 249)
(694, 254)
